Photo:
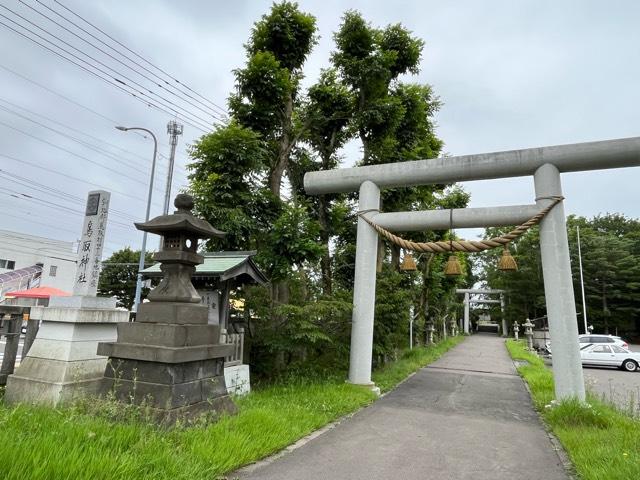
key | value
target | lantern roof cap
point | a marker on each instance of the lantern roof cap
(182, 220)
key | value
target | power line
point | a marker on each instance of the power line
(55, 192)
(91, 147)
(50, 170)
(55, 244)
(55, 206)
(60, 40)
(56, 122)
(117, 82)
(211, 112)
(22, 217)
(224, 112)
(75, 139)
(57, 227)
(111, 121)
(72, 153)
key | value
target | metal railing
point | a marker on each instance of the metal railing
(237, 340)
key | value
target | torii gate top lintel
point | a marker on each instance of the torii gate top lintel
(575, 157)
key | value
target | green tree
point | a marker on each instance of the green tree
(119, 276)
(268, 86)
(226, 181)
(369, 60)
(325, 121)
(611, 270)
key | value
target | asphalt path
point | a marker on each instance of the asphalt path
(468, 415)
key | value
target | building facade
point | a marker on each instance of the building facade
(56, 258)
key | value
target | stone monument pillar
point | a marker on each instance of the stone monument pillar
(170, 358)
(62, 362)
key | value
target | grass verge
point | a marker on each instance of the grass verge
(81, 443)
(601, 441)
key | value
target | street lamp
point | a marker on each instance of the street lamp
(136, 301)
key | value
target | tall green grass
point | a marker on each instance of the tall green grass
(83, 442)
(602, 442)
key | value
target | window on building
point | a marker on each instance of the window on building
(53, 270)
(8, 264)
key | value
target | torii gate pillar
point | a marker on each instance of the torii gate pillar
(558, 288)
(467, 300)
(364, 290)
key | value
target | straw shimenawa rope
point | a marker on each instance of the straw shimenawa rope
(464, 245)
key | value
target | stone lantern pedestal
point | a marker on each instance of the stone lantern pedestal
(170, 359)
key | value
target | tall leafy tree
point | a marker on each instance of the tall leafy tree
(268, 86)
(325, 125)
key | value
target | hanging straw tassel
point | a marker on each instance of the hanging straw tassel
(408, 263)
(453, 267)
(507, 263)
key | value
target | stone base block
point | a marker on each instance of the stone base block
(82, 301)
(62, 363)
(171, 390)
(237, 379)
(168, 335)
(79, 315)
(173, 312)
(52, 382)
(151, 353)
(60, 371)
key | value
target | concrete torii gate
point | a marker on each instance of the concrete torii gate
(545, 165)
(468, 301)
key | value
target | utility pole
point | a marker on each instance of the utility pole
(173, 129)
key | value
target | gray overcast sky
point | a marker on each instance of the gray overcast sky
(511, 74)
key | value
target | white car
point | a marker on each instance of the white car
(599, 338)
(606, 355)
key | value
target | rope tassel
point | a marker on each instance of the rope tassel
(507, 263)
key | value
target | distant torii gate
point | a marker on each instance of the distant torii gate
(468, 301)
(545, 165)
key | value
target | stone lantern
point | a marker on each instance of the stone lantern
(170, 358)
(516, 330)
(430, 330)
(528, 332)
(453, 327)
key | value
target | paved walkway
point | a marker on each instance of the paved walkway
(468, 415)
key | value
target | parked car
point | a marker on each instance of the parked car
(598, 338)
(609, 355)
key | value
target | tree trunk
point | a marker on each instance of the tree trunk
(284, 149)
(395, 257)
(605, 308)
(382, 251)
(325, 262)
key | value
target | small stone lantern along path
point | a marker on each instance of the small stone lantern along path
(170, 359)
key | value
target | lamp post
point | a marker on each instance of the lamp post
(584, 300)
(136, 301)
